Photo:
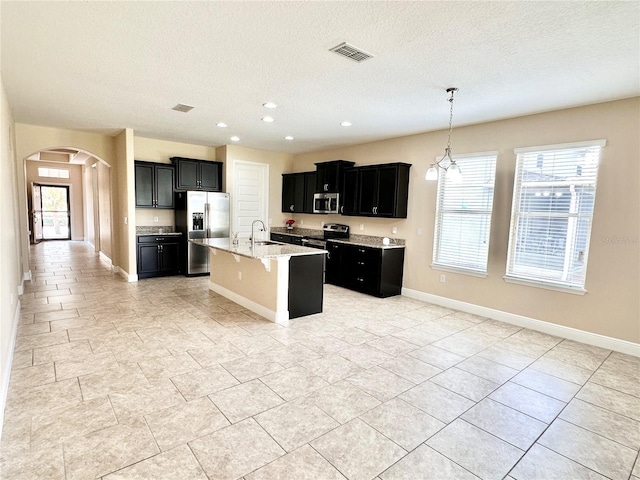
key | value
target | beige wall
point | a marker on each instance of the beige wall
(611, 306)
(124, 203)
(75, 184)
(11, 238)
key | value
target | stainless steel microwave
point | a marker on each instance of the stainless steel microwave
(326, 203)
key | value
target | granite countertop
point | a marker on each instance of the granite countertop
(273, 250)
(164, 234)
(362, 240)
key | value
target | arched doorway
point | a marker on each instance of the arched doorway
(87, 179)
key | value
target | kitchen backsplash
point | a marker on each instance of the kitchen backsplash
(153, 229)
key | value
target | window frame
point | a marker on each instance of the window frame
(441, 212)
(45, 172)
(517, 213)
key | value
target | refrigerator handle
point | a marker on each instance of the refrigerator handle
(207, 210)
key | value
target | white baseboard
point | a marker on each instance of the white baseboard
(570, 333)
(281, 318)
(105, 257)
(127, 276)
(8, 362)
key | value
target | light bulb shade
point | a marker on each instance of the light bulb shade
(454, 174)
(432, 173)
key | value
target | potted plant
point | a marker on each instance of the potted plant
(290, 223)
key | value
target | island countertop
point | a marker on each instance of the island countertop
(272, 250)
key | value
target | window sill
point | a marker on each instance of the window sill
(548, 286)
(462, 271)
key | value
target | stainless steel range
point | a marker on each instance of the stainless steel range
(329, 231)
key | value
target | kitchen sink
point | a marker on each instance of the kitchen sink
(266, 242)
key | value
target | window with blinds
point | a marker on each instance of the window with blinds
(463, 215)
(553, 198)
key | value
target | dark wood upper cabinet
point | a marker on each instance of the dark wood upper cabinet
(329, 175)
(377, 190)
(154, 185)
(193, 174)
(293, 194)
(309, 190)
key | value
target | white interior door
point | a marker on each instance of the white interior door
(250, 196)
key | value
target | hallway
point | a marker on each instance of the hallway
(164, 379)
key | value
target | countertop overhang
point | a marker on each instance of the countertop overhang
(260, 251)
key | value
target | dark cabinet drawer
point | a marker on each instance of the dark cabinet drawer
(158, 255)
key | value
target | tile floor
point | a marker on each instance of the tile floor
(163, 379)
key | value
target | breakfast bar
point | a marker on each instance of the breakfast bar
(278, 281)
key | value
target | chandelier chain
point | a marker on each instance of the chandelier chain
(450, 120)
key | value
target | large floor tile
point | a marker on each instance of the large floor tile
(343, 401)
(437, 401)
(405, 424)
(293, 382)
(332, 368)
(506, 357)
(105, 451)
(610, 399)
(437, 357)
(202, 382)
(180, 460)
(506, 423)
(565, 371)
(295, 423)
(466, 384)
(528, 401)
(618, 428)
(365, 356)
(612, 460)
(301, 464)
(235, 451)
(411, 368)
(424, 461)
(358, 451)
(246, 400)
(185, 422)
(380, 383)
(540, 463)
(487, 369)
(547, 384)
(476, 450)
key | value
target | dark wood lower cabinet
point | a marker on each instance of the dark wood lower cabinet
(370, 270)
(305, 285)
(158, 256)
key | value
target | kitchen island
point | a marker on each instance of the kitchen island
(278, 281)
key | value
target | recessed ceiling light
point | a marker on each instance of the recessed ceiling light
(221, 125)
(269, 105)
(346, 124)
(288, 137)
(235, 138)
(267, 119)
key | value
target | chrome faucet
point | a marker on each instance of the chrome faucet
(253, 235)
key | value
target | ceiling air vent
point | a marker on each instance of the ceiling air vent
(182, 108)
(351, 52)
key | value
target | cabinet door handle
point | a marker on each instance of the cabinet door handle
(326, 187)
(291, 208)
(360, 263)
(361, 250)
(342, 209)
(360, 279)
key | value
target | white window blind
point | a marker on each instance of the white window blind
(553, 198)
(53, 172)
(463, 215)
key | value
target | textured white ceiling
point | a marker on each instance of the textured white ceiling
(103, 66)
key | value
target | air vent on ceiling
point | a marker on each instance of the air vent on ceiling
(351, 52)
(182, 108)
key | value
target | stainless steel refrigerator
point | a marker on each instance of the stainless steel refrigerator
(200, 215)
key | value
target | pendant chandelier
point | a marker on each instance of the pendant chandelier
(446, 163)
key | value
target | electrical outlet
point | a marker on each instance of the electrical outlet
(301, 222)
(394, 230)
(419, 232)
(442, 278)
(361, 226)
(155, 219)
(239, 275)
(11, 296)
(269, 221)
(126, 220)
